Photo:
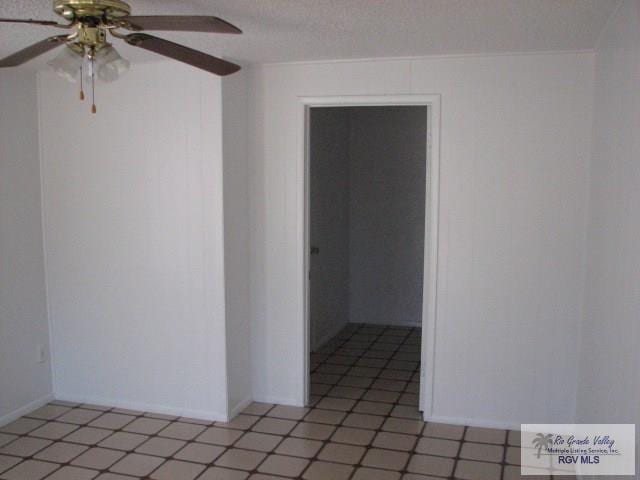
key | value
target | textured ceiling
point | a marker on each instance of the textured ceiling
(294, 30)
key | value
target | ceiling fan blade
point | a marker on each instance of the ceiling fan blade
(180, 23)
(33, 51)
(47, 23)
(182, 54)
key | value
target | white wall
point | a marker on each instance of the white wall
(134, 240)
(236, 239)
(610, 378)
(387, 204)
(514, 154)
(329, 224)
(24, 381)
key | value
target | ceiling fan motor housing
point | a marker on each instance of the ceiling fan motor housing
(99, 10)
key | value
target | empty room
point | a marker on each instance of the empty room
(319, 240)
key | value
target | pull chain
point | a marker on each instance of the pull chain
(81, 83)
(93, 84)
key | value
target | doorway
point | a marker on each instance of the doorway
(371, 238)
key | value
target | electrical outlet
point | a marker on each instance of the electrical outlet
(42, 354)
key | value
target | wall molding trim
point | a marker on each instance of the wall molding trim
(235, 411)
(279, 400)
(28, 408)
(432, 208)
(146, 407)
(471, 422)
(328, 336)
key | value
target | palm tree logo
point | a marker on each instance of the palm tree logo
(542, 441)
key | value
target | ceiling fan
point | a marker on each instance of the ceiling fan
(89, 21)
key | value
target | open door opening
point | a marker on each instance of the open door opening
(368, 239)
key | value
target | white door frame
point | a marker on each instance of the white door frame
(430, 271)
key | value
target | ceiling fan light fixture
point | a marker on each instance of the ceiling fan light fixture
(67, 64)
(88, 54)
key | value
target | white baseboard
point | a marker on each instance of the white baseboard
(328, 336)
(28, 408)
(409, 324)
(234, 411)
(145, 407)
(393, 324)
(276, 400)
(472, 422)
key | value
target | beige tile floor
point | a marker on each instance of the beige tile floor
(363, 425)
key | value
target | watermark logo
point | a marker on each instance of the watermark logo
(542, 441)
(581, 449)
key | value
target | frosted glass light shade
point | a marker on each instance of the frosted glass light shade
(110, 66)
(67, 64)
